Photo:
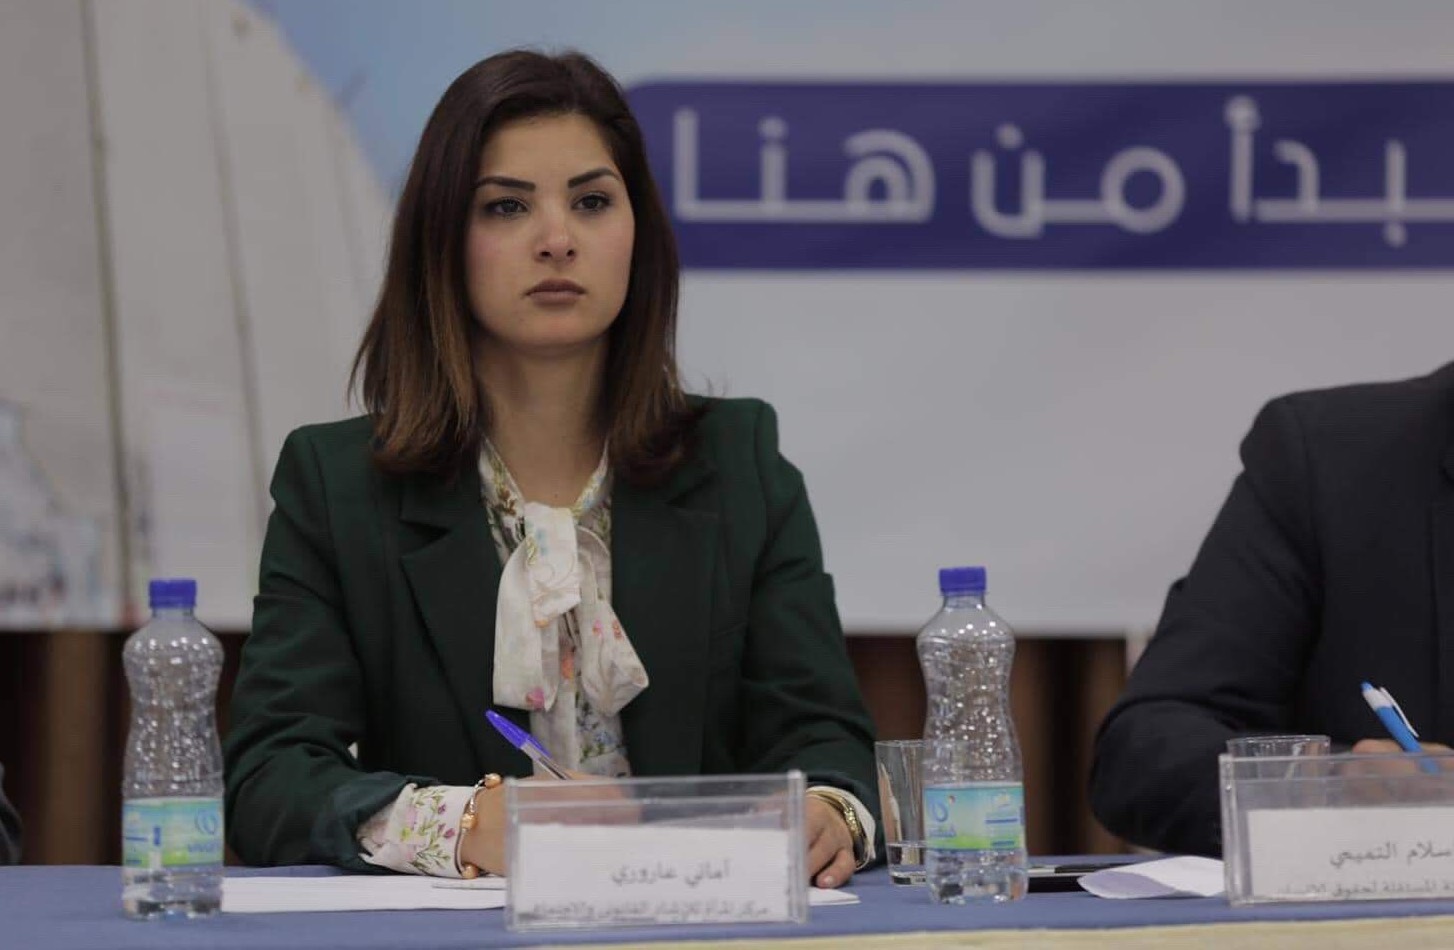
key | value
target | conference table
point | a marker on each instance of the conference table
(78, 908)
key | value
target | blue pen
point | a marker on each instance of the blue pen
(526, 743)
(1392, 716)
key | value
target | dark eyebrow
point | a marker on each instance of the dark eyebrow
(591, 175)
(521, 185)
(504, 182)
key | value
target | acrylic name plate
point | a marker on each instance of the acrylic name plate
(641, 852)
(1338, 827)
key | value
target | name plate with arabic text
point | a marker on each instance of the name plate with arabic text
(636, 876)
(642, 852)
(1351, 853)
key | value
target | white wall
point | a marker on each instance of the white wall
(1074, 432)
(52, 350)
(245, 238)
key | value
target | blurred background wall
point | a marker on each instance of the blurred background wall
(194, 200)
(190, 239)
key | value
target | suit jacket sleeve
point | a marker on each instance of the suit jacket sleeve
(1228, 655)
(9, 827)
(295, 793)
(799, 691)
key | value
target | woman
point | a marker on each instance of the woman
(532, 516)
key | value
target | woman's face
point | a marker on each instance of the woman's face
(548, 252)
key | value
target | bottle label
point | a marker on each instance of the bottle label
(978, 816)
(161, 833)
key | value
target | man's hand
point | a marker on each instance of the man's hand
(1394, 766)
(830, 845)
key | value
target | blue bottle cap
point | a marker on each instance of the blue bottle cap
(961, 580)
(172, 592)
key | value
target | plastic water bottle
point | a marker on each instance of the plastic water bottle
(171, 818)
(974, 793)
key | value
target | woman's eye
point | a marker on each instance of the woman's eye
(594, 202)
(505, 207)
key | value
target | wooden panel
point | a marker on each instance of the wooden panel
(1059, 691)
(893, 688)
(68, 829)
(1101, 676)
(64, 716)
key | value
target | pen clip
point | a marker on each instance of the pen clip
(1398, 710)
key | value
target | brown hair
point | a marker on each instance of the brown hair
(415, 361)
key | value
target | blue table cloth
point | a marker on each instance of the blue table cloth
(79, 908)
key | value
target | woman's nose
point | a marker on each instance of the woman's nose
(556, 240)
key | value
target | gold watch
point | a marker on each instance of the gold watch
(841, 804)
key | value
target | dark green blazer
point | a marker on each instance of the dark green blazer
(374, 625)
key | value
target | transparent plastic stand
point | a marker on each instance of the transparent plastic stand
(1338, 827)
(640, 852)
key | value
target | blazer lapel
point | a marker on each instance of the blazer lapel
(1442, 526)
(663, 557)
(455, 580)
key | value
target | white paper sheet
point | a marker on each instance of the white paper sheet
(827, 897)
(281, 895)
(1168, 877)
(275, 895)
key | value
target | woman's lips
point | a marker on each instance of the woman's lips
(556, 292)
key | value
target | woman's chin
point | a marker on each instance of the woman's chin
(555, 345)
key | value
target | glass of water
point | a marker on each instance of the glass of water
(901, 796)
(1258, 747)
(1279, 749)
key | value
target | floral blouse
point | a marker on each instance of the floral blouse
(560, 652)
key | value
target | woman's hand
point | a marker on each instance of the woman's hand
(830, 845)
(484, 844)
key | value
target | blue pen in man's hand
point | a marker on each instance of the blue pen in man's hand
(526, 743)
(1392, 716)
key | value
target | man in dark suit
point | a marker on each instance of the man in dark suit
(1331, 562)
(9, 827)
